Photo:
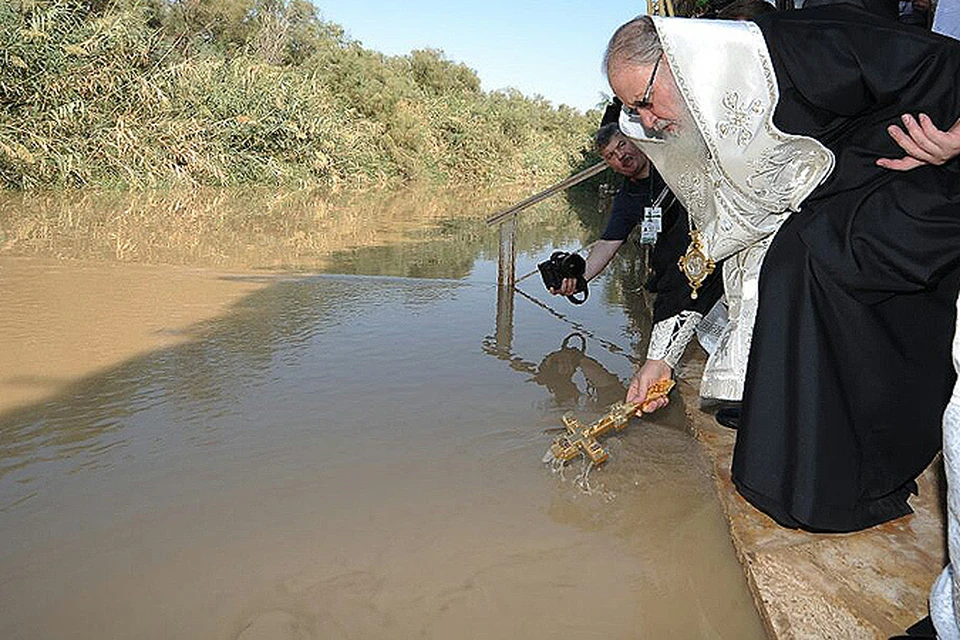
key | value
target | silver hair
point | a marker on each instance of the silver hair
(634, 43)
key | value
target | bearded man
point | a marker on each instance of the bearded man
(779, 137)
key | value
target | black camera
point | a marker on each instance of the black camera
(560, 266)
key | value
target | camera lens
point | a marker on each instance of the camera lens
(573, 266)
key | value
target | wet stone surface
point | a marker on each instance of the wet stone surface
(869, 584)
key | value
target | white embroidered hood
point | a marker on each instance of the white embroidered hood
(743, 176)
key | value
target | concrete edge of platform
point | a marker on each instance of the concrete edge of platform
(869, 584)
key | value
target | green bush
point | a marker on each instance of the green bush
(137, 94)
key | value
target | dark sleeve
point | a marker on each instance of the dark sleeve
(841, 68)
(627, 209)
(666, 280)
(889, 9)
(844, 76)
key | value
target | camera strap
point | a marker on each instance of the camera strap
(581, 288)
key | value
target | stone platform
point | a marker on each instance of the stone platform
(869, 584)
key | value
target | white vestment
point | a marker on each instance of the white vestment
(738, 176)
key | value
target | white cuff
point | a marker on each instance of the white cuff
(669, 338)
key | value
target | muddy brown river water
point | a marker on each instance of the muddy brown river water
(291, 415)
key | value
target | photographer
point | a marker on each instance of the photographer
(636, 193)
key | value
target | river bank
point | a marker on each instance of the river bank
(138, 94)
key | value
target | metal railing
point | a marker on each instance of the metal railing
(506, 218)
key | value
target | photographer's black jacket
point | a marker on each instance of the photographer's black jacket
(666, 280)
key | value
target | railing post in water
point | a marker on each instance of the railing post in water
(507, 262)
(506, 278)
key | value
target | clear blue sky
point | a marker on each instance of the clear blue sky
(549, 48)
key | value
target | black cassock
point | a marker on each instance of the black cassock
(671, 287)
(850, 367)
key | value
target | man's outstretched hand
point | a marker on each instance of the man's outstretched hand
(652, 371)
(923, 142)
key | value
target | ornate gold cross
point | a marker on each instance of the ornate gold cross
(580, 438)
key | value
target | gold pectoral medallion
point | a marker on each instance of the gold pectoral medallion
(695, 264)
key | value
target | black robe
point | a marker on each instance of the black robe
(850, 369)
(665, 278)
(670, 285)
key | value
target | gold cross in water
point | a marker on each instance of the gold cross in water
(580, 438)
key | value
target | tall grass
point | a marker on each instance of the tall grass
(139, 94)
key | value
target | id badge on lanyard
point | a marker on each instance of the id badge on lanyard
(650, 226)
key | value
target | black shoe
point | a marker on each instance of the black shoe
(729, 416)
(923, 628)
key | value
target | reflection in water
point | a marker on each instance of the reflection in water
(557, 369)
(412, 233)
(333, 456)
(609, 345)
